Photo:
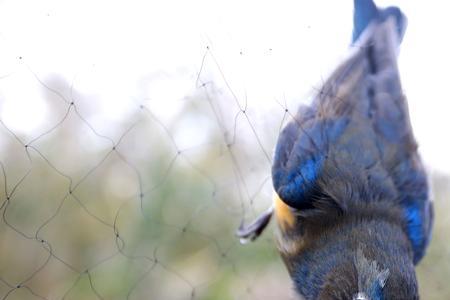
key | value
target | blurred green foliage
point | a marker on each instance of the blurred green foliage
(140, 218)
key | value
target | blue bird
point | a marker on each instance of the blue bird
(352, 200)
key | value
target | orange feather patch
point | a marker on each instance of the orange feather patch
(283, 213)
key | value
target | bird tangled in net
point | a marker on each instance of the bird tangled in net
(352, 204)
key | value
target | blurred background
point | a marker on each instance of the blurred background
(135, 138)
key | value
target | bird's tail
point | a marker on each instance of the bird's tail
(366, 12)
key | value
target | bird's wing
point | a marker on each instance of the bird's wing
(355, 144)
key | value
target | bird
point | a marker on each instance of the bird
(352, 201)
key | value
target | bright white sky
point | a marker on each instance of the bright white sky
(105, 47)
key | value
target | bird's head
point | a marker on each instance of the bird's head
(359, 256)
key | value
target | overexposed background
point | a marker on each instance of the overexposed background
(103, 103)
(107, 47)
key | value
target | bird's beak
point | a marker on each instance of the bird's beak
(253, 231)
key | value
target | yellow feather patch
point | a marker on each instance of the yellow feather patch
(283, 213)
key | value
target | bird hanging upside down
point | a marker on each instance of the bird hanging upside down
(352, 202)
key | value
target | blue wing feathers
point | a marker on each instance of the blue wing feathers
(362, 129)
(297, 165)
(413, 190)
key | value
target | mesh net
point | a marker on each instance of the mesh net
(117, 185)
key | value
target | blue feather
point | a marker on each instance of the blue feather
(366, 12)
(299, 157)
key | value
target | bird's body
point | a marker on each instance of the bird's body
(352, 199)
